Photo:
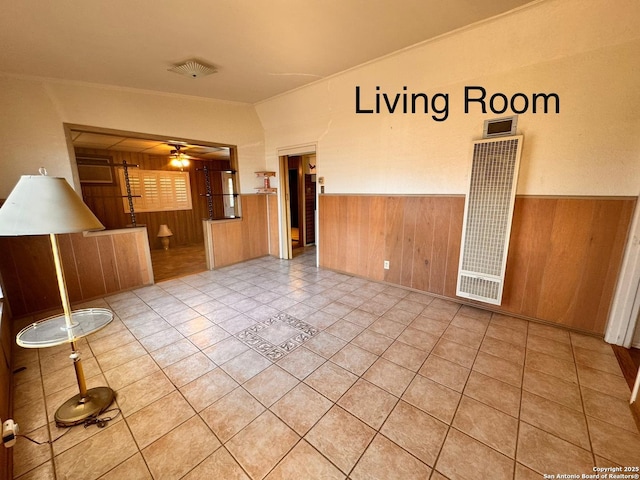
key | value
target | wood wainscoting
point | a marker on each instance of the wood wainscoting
(95, 264)
(237, 240)
(564, 253)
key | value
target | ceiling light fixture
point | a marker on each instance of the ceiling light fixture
(193, 69)
(178, 159)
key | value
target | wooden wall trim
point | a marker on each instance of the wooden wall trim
(564, 254)
(400, 195)
(452, 195)
(580, 197)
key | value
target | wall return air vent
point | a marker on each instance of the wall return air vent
(488, 212)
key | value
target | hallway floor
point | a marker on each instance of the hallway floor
(276, 369)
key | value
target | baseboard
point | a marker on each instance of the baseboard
(627, 366)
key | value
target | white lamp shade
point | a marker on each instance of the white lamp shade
(40, 205)
(164, 231)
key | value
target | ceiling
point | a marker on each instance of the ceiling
(261, 48)
(103, 141)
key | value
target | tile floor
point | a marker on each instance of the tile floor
(275, 369)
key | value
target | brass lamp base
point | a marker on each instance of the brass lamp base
(77, 409)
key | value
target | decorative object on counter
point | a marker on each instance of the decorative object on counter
(267, 185)
(43, 205)
(164, 233)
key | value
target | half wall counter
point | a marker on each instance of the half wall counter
(95, 264)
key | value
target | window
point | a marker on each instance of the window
(156, 190)
(232, 200)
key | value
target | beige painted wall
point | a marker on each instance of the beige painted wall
(586, 54)
(34, 110)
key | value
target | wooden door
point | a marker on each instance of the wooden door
(310, 209)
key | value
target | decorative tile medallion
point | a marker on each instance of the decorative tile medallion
(277, 336)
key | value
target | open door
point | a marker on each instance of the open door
(298, 201)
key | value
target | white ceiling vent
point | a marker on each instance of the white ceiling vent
(488, 212)
(193, 69)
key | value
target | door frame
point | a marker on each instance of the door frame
(286, 252)
(623, 315)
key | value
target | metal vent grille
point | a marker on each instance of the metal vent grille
(487, 218)
(480, 287)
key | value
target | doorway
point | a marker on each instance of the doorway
(295, 203)
(298, 174)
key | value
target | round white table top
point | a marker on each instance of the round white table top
(54, 331)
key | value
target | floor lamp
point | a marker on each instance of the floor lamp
(43, 205)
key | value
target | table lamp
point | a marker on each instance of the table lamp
(43, 205)
(164, 233)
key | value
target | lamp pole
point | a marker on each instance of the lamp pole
(62, 286)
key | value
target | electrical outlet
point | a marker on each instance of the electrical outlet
(9, 433)
(386, 264)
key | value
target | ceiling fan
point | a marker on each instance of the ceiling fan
(178, 159)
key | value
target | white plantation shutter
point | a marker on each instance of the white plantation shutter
(165, 190)
(157, 190)
(487, 219)
(181, 191)
(150, 192)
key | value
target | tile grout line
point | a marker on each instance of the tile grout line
(524, 364)
(176, 388)
(125, 418)
(335, 404)
(584, 411)
(240, 277)
(174, 384)
(450, 425)
(339, 406)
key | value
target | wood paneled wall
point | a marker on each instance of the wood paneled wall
(564, 259)
(106, 203)
(238, 240)
(564, 254)
(94, 264)
(6, 403)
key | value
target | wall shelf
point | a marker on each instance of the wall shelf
(266, 189)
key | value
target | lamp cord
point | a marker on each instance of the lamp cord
(46, 441)
(101, 422)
